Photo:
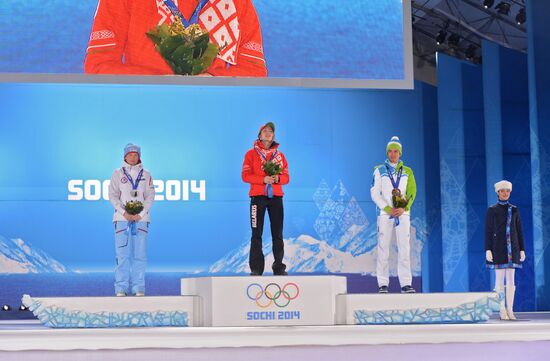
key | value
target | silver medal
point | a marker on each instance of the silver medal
(134, 193)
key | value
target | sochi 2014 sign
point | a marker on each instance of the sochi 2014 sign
(169, 190)
(276, 295)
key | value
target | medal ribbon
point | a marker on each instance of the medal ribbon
(176, 12)
(132, 225)
(395, 185)
(268, 190)
(138, 179)
(131, 229)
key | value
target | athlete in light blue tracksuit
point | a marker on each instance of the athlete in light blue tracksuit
(131, 183)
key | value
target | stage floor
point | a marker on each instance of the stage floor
(28, 335)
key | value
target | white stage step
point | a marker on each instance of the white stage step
(31, 335)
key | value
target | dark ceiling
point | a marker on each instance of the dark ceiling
(457, 27)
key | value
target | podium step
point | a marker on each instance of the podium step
(112, 312)
(376, 309)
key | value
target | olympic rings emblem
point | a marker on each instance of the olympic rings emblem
(272, 293)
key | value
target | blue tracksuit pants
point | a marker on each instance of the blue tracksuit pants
(131, 256)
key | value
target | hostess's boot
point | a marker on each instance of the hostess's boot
(510, 292)
(502, 311)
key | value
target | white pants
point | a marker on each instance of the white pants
(386, 227)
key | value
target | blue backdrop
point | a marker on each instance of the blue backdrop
(51, 134)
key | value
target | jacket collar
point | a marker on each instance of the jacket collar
(259, 145)
(131, 168)
(399, 164)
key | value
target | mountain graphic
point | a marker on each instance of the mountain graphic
(347, 241)
(16, 256)
(306, 254)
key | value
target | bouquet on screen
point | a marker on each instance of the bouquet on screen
(133, 207)
(271, 168)
(188, 51)
(398, 200)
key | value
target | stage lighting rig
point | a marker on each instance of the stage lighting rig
(453, 40)
(503, 8)
(521, 17)
(441, 36)
(488, 3)
(470, 52)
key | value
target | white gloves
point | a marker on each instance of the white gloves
(522, 256)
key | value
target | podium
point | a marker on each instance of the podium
(266, 300)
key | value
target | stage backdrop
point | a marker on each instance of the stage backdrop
(344, 39)
(59, 143)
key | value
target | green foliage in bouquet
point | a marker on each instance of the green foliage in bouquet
(188, 51)
(133, 207)
(398, 200)
(272, 168)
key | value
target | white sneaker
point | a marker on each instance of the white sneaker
(140, 294)
(121, 294)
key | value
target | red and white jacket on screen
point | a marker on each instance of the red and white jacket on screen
(118, 44)
(253, 173)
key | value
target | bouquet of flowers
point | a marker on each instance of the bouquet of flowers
(398, 200)
(188, 51)
(133, 207)
(272, 168)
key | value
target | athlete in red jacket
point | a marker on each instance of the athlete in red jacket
(118, 44)
(266, 193)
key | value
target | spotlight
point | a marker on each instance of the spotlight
(470, 52)
(441, 36)
(503, 8)
(23, 308)
(6, 308)
(520, 17)
(488, 3)
(453, 40)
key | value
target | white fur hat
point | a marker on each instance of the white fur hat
(503, 184)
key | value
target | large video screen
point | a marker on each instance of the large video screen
(326, 43)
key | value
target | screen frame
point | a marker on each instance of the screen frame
(324, 83)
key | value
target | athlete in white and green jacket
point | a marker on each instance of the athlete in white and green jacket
(387, 177)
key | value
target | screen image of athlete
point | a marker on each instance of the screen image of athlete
(119, 45)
